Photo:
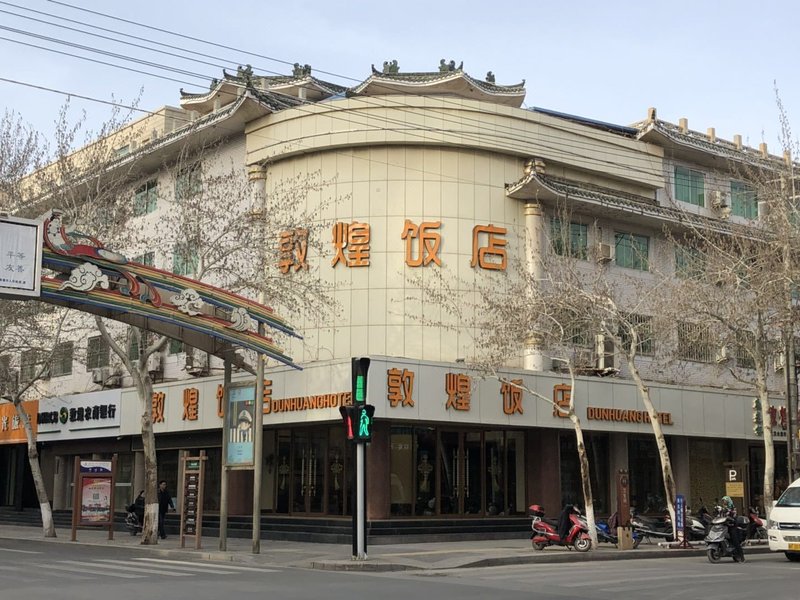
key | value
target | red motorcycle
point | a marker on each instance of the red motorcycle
(569, 531)
(755, 527)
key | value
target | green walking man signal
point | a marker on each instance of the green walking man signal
(358, 417)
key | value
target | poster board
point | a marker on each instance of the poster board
(93, 502)
(239, 424)
(194, 468)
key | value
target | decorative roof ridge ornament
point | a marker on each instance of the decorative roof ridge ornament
(188, 302)
(450, 66)
(240, 319)
(490, 77)
(299, 71)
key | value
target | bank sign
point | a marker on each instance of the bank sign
(79, 416)
(20, 257)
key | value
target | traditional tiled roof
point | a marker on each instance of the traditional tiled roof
(557, 187)
(454, 82)
(657, 131)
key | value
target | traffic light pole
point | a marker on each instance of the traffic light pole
(361, 545)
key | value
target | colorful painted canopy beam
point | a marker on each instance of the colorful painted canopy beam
(97, 280)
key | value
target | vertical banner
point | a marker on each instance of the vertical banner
(239, 422)
(680, 514)
(20, 257)
(192, 505)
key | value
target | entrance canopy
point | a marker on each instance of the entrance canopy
(91, 278)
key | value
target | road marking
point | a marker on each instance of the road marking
(80, 568)
(191, 570)
(126, 566)
(204, 565)
(647, 579)
(19, 551)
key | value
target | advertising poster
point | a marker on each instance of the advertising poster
(240, 420)
(95, 500)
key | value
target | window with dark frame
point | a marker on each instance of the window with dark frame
(689, 186)
(632, 251)
(189, 182)
(61, 362)
(569, 239)
(145, 199)
(97, 353)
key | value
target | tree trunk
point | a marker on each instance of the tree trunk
(586, 482)
(769, 448)
(48, 527)
(144, 389)
(661, 443)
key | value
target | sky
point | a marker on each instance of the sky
(716, 63)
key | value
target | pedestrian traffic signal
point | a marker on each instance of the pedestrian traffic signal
(360, 367)
(363, 422)
(349, 417)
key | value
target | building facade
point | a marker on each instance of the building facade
(429, 173)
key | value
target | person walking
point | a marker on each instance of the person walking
(164, 504)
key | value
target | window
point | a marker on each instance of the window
(184, 260)
(97, 353)
(147, 259)
(61, 363)
(188, 182)
(743, 200)
(745, 340)
(31, 362)
(7, 377)
(145, 199)
(690, 263)
(175, 346)
(631, 251)
(643, 325)
(133, 347)
(569, 239)
(695, 343)
(689, 186)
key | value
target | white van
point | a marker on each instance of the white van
(784, 523)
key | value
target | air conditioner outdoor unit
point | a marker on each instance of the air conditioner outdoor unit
(605, 253)
(723, 354)
(584, 358)
(196, 362)
(780, 361)
(154, 363)
(719, 199)
(100, 375)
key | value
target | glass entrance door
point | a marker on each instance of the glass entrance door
(461, 484)
(308, 472)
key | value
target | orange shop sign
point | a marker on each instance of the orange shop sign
(12, 431)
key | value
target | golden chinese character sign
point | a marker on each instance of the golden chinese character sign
(292, 250)
(157, 413)
(459, 391)
(562, 394)
(489, 247)
(400, 387)
(352, 238)
(427, 243)
(191, 399)
(511, 392)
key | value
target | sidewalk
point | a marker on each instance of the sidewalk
(336, 557)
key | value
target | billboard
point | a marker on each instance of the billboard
(20, 257)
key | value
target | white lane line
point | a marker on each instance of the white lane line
(197, 569)
(204, 568)
(648, 579)
(19, 551)
(126, 566)
(80, 568)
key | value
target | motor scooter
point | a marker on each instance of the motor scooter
(755, 527)
(570, 530)
(135, 517)
(607, 531)
(652, 527)
(719, 540)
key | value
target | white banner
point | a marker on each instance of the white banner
(20, 257)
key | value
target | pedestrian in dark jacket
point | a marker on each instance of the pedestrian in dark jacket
(164, 504)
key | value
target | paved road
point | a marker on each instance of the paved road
(765, 576)
(37, 570)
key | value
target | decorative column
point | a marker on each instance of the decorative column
(534, 358)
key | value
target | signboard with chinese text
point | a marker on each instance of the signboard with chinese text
(20, 257)
(12, 430)
(76, 416)
(239, 421)
(192, 505)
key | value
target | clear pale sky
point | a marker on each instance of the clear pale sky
(716, 63)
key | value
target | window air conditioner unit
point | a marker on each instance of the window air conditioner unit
(605, 253)
(196, 362)
(154, 363)
(780, 361)
(101, 375)
(723, 354)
